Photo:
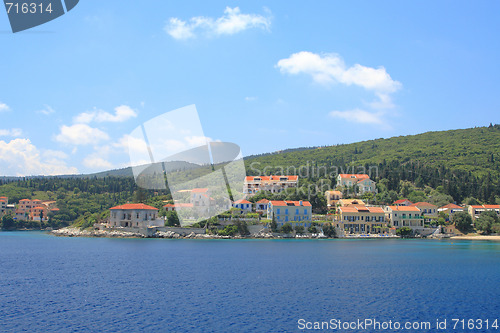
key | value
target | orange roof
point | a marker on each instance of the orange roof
(358, 176)
(451, 206)
(263, 201)
(267, 178)
(242, 201)
(492, 206)
(183, 205)
(24, 200)
(361, 208)
(401, 201)
(335, 192)
(3, 198)
(55, 209)
(405, 208)
(199, 190)
(477, 206)
(423, 204)
(169, 205)
(134, 206)
(292, 203)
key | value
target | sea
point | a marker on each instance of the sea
(59, 284)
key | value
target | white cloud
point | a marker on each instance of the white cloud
(20, 157)
(250, 98)
(232, 22)
(81, 134)
(46, 111)
(15, 132)
(331, 68)
(4, 107)
(122, 113)
(95, 162)
(359, 116)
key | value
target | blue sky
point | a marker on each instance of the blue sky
(264, 75)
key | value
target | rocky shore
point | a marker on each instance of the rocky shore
(76, 232)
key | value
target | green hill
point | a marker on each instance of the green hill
(466, 162)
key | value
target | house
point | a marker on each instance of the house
(476, 210)
(362, 182)
(273, 184)
(35, 210)
(351, 202)
(243, 205)
(451, 209)
(4, 201)
(428, 210)
(404, 216)
(332, 198)
(261, 206)
(169, 207)
(361, 219)
(290, 211)
(135, 215)
(200, 197)
(402, 202)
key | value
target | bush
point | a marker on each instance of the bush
(286, 228)
(312, 229)
(299, 229)
(486, 221)
(404, 232)
(329, 231)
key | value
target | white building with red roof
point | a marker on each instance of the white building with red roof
(290, 211)
(273, 184)
(362, 182)
(476, 210)
(244, 205)
(135, 216)
(402, 202)
(4, 201)
(451, 209)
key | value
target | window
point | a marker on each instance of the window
(278, 211)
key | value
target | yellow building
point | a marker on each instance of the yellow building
(332, 198)
(405, 216)
(361, 219)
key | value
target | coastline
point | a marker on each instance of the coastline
(477, 237)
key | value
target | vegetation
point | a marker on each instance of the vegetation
(286, 228)
(488, 222)
(329, 231)
(404, 232)
(463, 222)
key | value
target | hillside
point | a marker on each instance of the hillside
(466, 162)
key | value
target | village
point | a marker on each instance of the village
(348, 216)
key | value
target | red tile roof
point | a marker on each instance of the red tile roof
(405, 208)
(492, 206)
(358, 176)
(361, 209)
(267, 178)
(422, 204)
(134, 206)
(242, 201)
(294, 203)
(401, 201)
(263, 201)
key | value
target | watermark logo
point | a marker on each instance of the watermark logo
(26, 14)
(204, 176)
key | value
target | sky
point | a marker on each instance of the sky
(266, 75)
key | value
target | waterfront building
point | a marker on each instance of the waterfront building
(135, 215)
(289, 211)
(402, 202)
(404, 216)
(451, 209)
(243, 205)
(361, 219)
(261, 206)
(428, 210)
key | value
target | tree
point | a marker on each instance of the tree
(463, 222)
(286, 228)
(274, 226)
(242, 228)
(486, 221)
(8, 223)
(172, 219)
(329, 231)
(299, 229)
(404, 232)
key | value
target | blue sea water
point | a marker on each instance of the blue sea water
(62, 284)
